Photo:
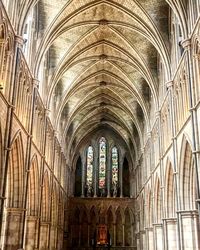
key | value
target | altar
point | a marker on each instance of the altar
(102, 235)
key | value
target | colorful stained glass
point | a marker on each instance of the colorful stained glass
(90, 157)
(102, 163)
(114, 166)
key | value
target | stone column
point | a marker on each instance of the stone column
(132, 233)
(83, 159)
(121, 176)
(89, 234)
(31, 232)
(114, 234)
(44, 235)
(158, 236)
(173, 116)
(138, 243)
(150, 238)
(13, 228)
(189, 225)
(80, 229)
(194, 114)
(123, 235)
(171, 233)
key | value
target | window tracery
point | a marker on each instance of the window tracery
(90, 157)
(101, 174)
(102, 163)
(114, 166)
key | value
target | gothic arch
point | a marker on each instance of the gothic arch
(54, 217)
(110, 222)
(84, 225)
(187, 176)
(45, 198)
(33, 188)
(128, 223)
(15, 178)
(93, 222)
(119, 227)
(61, 209)
(149, 207)
(157, 200)
(142, 212)
(54, 206)
(170, 199)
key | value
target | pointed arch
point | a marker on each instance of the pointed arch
(33, 187)
(15, 177)
(187, 177)
(157, 200)
(61, 209)
(110, 223)
(45, 198)
(149, 208)
(119, 229)
(93, 222)
(84, 231)
(54, 206)
(128, 227)
(142, 212)
(170, 201)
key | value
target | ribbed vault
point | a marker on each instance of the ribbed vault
(100, 59)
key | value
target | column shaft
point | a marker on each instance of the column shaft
(121, 177)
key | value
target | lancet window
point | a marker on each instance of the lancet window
(102, 174)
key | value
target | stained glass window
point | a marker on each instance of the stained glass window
(102, 163)
(90, 156)
(114, 166)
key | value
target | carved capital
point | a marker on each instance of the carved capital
(186, 44)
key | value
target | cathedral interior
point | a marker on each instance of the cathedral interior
(99, 124)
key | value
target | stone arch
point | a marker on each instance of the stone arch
(119, 229)
(61, 210)
(93, 220)
(84, 225)
(33, 188)
(3, 31)
(75, 227)
(187, 177)
(128, 227)
(15, 177)
(157, 201)
(6, 47)
(110, 223)
(54, 217)
(142, 212)
(170, 201)
(149, 208)
(45, 198)
(54, 206)
(78, 176)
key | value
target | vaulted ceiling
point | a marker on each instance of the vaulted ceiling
(102, 64)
